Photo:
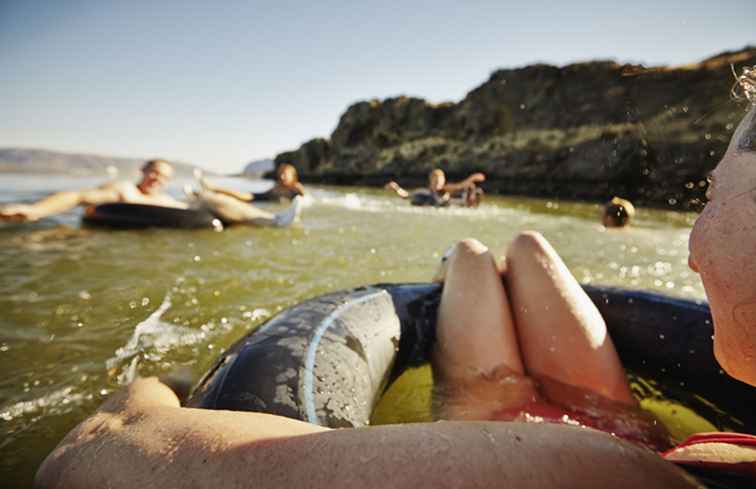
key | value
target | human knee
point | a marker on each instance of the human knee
(468, 249)
(466, 255)
(528, 243)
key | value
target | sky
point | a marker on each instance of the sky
(220, 84)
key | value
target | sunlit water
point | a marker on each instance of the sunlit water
(84, 310)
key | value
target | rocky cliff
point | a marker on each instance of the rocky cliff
(582, 131)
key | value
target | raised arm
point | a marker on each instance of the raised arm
(142, 438)
(57, 203)
(467, 182)
(392, 185)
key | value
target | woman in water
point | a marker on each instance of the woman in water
(232, 206)
(143, 436)
(440, 192)
(287, 187)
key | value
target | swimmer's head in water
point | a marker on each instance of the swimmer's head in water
(618, 213)
(155, 174)
(286, 174)
(437, 180)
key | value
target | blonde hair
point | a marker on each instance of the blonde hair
(745, 84)
(745, 87)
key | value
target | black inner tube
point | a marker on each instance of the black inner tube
(139, 216)
(329, 359)
(347, 347)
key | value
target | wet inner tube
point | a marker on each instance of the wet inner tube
(139, 216)
(329, 359)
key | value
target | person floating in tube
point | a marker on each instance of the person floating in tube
(287, 187)
(441, 193)
(149, 191)
(233, 206)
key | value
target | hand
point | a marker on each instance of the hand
(18, 213)
(392, 185)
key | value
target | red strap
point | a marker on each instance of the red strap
(741, 439)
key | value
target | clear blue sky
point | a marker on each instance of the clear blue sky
(222, 83)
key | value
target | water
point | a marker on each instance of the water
(84, 310)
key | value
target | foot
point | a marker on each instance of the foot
(189, 191)
(286, 218)
(204, 183)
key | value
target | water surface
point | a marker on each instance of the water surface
(85, 309)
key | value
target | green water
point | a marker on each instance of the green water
(83, 310)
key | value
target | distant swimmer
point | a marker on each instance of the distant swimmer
(286, 188)
(149, 191)
(618, 213)
(441, 193)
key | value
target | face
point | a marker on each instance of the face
(723, 252)
(154, 177)
(437, 180)
(287, 176)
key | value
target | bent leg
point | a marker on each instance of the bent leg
(476, 361)
(562, 334)
(234, 211)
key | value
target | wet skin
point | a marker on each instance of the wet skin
(723, 252)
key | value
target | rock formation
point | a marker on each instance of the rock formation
(582, 131)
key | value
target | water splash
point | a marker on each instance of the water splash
(151, 338)
(49, 403)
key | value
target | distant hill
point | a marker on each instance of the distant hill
(257, 168)
(36, 161)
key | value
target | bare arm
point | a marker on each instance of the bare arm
(58, 202)
(392, 185)
(142, 438)
(467, 182)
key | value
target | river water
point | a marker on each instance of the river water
(83, 310)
